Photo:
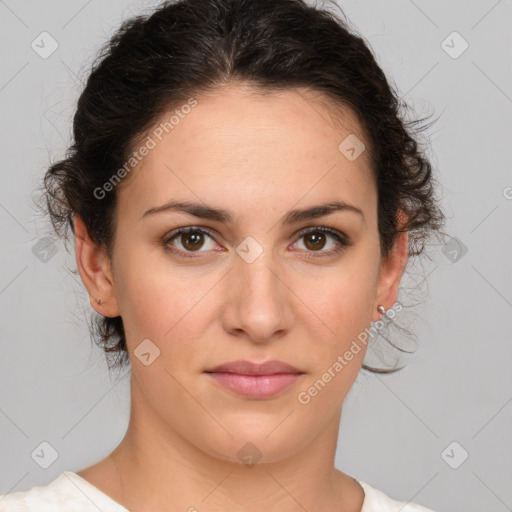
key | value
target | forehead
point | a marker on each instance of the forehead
(239, 142)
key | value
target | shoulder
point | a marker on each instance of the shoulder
(65, 491)
(377, 501)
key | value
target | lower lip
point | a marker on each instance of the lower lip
(256, 386)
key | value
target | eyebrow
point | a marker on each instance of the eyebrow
(204, 211)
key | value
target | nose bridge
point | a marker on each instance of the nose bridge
(257, 269)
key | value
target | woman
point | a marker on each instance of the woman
(244, 198)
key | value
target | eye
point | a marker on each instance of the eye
(316, 239)
(191, 239)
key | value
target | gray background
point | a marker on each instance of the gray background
(456, 388)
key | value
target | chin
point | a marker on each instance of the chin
(256, 440)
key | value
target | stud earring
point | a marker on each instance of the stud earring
(381, 309)
(98, 301)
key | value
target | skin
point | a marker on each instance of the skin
(259, 156)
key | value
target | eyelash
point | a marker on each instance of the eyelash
(342, 239)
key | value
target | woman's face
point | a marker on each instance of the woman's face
(254, 287)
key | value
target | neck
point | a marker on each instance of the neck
(156, 467)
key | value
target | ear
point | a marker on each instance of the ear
(94, 268)
(391, 270)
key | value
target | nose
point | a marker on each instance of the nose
(259, 303)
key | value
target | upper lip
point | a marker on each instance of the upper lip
(250, 368)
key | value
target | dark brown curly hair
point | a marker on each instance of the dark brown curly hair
(187, 47)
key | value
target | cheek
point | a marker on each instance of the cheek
(157, 300)
(339, 334)
(338, 317)
(163, 303)
(342, 299)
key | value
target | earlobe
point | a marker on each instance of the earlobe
(94, 268)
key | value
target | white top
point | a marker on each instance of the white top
(70, 492)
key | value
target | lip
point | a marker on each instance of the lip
(255, 380)
(243, 367)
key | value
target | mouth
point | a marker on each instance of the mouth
(255, 380)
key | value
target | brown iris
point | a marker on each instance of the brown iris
(315, 240)
(196, 240)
